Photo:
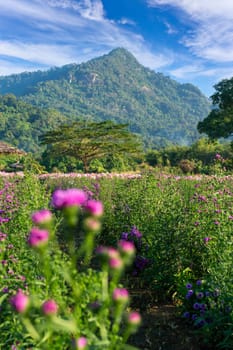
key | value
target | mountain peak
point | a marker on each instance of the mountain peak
(122, 54)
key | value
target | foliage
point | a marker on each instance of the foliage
(22, 123)
(90, 141)
(115, 87)
(201, 154)
(181, 225)
(219, 122)
(60, 299)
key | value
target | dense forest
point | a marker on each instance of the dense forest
(112, 87)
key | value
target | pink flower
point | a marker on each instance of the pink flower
(80, 343)
(42, 216)
(20, 301)
(66, 198)
(50, 307)
(94, 207)
(120, 295)
(134, 318)
(38, 237)
(92, 224)
(126, 247)
(116, 263)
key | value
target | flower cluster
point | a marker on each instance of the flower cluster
(201, 303)
(84, 212)
(135, 237)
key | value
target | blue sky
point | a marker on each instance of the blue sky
(188, 40)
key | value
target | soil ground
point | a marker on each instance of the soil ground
(162, 327)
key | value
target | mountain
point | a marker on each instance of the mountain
(116, 87)
(22, 124)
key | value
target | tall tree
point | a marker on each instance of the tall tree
(89, 140)
(219, 122)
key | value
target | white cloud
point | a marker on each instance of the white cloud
(212, 21)
(58, 32)
(90, 9)
(43, 54)
(126, 21)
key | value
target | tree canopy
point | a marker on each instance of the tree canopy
(89, 140)
(219, 122)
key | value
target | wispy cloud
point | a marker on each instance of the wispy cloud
(126, 21)
(211, 36)
(90, 9)
(57, 32)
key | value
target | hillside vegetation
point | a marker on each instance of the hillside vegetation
(112, 87)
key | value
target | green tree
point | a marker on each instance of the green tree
(87, 141)
(219, 122)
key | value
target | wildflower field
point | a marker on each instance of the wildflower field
(78, 252)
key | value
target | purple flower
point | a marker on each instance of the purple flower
(199, 283)
(135, 232)
(189, 286)
(196, 306)
(134, 318)
(189, 294)
(42, 216)
(120, 295)
(124, 236)
(50, 307)
(38, 237)
(126, 247)
(81, 343)
(20, 301)
(200, 295)
(95, 208)
(66, 198)
(206, 239)
(186, 314)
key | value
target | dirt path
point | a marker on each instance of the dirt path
(162, 329)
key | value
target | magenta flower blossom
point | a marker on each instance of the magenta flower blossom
(126, 247)
(66, 198)
(94, 207)
(116, 263)
(81, 343)
(20, 301)
(50, 307)
(218, 156)
(92, 224)
(42, 216)
(120, 295)
(134, 318)
(38, 237)
(206, 239)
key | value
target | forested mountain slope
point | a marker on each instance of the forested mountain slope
(116, 87)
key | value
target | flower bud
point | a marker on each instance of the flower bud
(94, 207)
(120, 295)
(41, 217)
(20, 302)
(80, 343)
(49, 307)
(38, 238)
(92, 224)
(134, 320)
(67, 198)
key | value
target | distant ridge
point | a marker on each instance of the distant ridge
(116, 87)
